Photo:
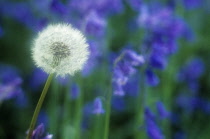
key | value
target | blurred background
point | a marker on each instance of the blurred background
(151, 57)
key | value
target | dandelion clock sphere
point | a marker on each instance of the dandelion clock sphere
(60, 49)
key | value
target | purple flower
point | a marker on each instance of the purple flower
(191, 4)
(152, 78)
(153, 131)
(58, 7)
(82, 7)
(1, 31)
(149, 114)
(192, 70)
(38, 133)
(163, 29)
(95, 25)
(107, 7)
(180, 135)
(135, 4)
(10, 85)
(63, 80)
(37, 78)
(97, 106)
(190, 104)
(75, 91)
(162, 112)
(124, 68)
(134, 58)
(43, 118)
(94, 59)
(132, 87)
(158, 60)
(118, 89)
(118, 103)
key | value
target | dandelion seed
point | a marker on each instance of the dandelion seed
(60, 49)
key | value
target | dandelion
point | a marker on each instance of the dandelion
(59, 49)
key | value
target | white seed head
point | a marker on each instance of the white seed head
(60, 49)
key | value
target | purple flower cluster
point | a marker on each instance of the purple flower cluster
(192, 4)
(125, 66)
(191, 72)
(37, 78)
(191, 104)
(162, 31)
(38, 133)
(74, 91)
(153, 130)
(10, 83)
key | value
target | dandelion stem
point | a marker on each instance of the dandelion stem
(107, 116)
(38, 106)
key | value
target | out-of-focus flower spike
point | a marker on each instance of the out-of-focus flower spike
(97, 106)
(152, 78)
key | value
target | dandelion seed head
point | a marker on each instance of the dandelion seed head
(60, 49)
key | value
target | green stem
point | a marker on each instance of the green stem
(78, 115)
(38, 106)
(140, 104)
(52, 109)
(107, 116)
(67, 115)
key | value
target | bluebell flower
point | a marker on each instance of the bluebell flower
(118, 89)
(192, 4)
(191, 72)
(21, 99)
(134, 58)
(132, 87)
(162, 112)
(180, 135)
(149, 114)
(94, 59)
(25, 14)
(151, 78)
(185, 103)
(37, 78)
(97, 106)
(94, 24)
(58, 7)
(118, 103)
(43, 118)
(107, 7)
(158, 60)
(153, 131)
(124, 68)
(1, 31)
(135, 4)
(81, 7)
(63, 80)
(19, 11)
(163, 29)
(191, 104)
(75, 91)
(38, 133)
(10, 83)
